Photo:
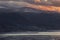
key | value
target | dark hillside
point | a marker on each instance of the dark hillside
(29, 21)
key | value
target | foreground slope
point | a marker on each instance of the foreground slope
(29, 21)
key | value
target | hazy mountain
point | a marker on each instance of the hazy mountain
(22, 9)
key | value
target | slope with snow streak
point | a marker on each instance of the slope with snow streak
(28, 33)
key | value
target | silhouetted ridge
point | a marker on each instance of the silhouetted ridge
(29, 21)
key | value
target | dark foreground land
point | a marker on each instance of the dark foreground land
(29, 21)
(31, 37)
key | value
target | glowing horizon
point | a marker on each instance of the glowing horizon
(35, 6)
(44, 7)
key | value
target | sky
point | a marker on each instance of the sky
(46, 5)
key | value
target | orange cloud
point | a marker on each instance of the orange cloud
(45, 8)
(37, 1)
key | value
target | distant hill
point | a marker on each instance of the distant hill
(23, 9)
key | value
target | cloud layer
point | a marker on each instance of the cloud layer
(36, 4)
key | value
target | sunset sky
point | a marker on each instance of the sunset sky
(46, 5)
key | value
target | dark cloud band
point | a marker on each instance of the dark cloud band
(49, 2)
